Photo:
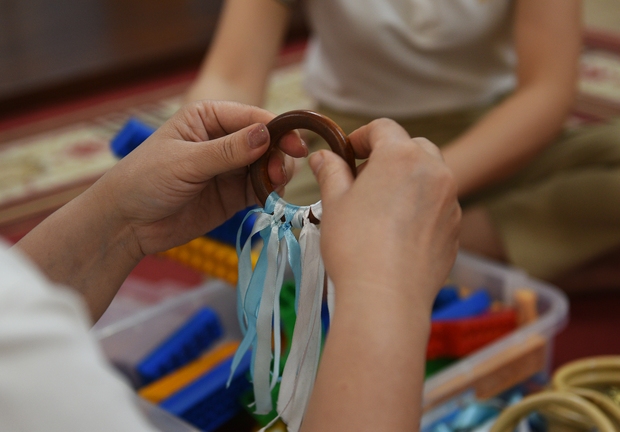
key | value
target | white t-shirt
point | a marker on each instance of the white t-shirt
(53, 377)
(403, 58)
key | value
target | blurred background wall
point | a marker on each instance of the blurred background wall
(56, 49)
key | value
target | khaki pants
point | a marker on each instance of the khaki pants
(560, 211)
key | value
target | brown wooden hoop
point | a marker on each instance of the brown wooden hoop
(299, 119)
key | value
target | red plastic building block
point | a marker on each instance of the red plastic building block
(459, 338)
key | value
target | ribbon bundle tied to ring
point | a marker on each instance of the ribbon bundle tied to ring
(258, 290)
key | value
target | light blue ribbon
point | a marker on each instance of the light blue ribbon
(258, 292)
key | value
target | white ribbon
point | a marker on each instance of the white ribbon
(258, 294)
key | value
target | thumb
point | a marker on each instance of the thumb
(332, 173)
(236, 150)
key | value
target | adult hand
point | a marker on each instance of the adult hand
(396, 225)
(388, 240)
(186, 179)
(191, 175)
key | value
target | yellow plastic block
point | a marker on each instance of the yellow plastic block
(211, 257)
(175, 381)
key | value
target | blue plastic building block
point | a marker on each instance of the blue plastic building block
(129, 137)
(475, 414)
(227, 232)
(186, 344)
(476, 304)
(133, 134)
(206, 403)
(442, 427)
(325, 317)
(448, 294)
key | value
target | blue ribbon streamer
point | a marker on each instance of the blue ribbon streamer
(262, 285)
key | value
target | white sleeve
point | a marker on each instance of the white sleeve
(53, 376)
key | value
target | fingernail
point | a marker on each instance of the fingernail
(315, 161)
(258, 137)
(305, 147)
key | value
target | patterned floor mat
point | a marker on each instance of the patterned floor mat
(40, 172)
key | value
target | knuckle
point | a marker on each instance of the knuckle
(408, 155)
(385, 131)
(326, 173)
(445, 181)
(383, 122)
(330, 173)
(227, 150)
(422, 141)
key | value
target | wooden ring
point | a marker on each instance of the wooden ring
(299, 119)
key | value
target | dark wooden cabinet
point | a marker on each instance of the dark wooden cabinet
(52, 50)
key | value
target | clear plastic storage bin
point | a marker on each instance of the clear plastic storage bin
(488, 371)
(512, 359)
